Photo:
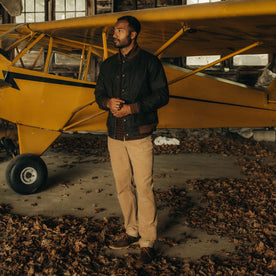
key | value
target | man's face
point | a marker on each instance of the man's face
(122, 36)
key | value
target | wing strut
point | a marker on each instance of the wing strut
(22, 53)
(104, 36)
(49, 54)
(68, 126)
(87, 63)
(171, 41)
(215, 62)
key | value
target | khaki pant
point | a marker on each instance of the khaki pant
(132, 165)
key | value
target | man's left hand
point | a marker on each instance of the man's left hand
(124, 111)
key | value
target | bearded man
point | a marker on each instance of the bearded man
(132, 86)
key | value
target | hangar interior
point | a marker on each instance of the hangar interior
(245, 69)
(215, 191)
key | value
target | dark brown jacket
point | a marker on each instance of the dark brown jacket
(141, 82)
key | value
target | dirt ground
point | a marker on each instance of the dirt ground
(82, 185)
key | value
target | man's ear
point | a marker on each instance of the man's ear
(133, 35)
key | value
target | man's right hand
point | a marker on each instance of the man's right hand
(114, 104)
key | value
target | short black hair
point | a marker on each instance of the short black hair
(133, 23)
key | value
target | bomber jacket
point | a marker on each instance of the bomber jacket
(140, 81)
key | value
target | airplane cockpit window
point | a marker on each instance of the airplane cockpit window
(42, 53)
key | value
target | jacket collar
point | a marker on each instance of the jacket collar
(131, 54)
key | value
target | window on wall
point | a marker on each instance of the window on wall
(190, 2)
(69, 8)
(32, 11)
(163, 3)
(250, 60)
(104, 6)
(201, 60)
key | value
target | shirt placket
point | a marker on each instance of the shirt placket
(123, 88)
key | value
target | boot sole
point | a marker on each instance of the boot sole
(123, 247)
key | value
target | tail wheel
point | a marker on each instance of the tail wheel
(27, 174)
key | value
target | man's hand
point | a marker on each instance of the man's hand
(124, 111)
(114, 104)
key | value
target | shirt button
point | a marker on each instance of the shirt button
(123, 75)
(124, 120)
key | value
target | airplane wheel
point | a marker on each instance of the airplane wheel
(26, 174)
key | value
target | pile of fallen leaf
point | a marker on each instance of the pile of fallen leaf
(242, 210)
(226, 144)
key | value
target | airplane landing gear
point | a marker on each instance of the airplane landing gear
(26, 174)
(9, 146)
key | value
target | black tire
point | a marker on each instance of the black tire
(26, 174)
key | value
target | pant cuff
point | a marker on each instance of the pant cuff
(146, 243)
(132, 233)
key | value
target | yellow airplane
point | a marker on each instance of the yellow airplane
(44, 105)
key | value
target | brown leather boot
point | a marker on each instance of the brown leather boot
(124, 242)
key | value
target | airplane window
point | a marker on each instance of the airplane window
(27, 61)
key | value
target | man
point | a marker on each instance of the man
(132, 85)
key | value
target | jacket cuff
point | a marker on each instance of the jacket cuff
(134, 108)
(105, 103)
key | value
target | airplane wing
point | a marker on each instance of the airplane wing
(212, 28)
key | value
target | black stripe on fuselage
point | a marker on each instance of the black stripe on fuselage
(215, 102)
(10, 76)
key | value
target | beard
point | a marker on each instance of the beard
(122, 43)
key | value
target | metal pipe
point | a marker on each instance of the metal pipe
(36, 60)
(87, 63)
(171, 41)
(81, 63)
(22, 53)
(82, 121)
(50, 47)
(104, 36)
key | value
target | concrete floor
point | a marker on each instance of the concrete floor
(83, 186)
